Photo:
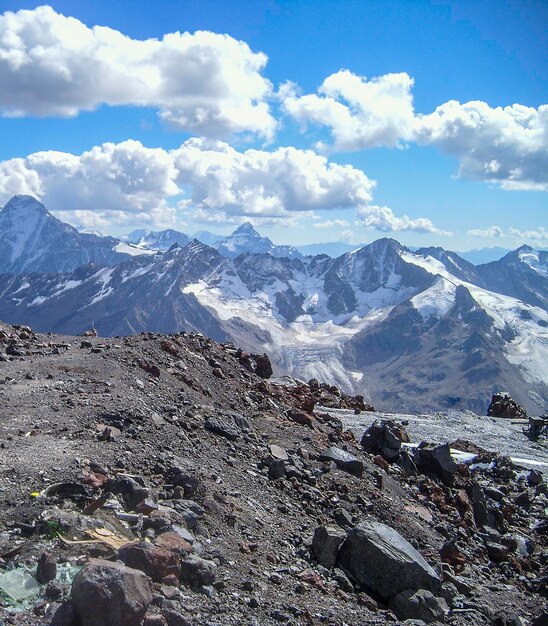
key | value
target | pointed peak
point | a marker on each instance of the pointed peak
(26, 204)
(245, 229)
(385, 243)
(525, 248)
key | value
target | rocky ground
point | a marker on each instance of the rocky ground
(185, 488)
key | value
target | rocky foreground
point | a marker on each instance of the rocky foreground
(163, 480)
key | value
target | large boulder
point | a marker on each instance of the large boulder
(436, 459)
(110, 594)
(503, 405)
(379, 558)
(385, 438)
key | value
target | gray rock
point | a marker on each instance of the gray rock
(197, 572)
(385, 438)
(421, 604)
(278, 452)
(344, 460)
(110, 594)
(379, 558)
(222, 428)
(64, 615)
(190, 511)
(433, 459)
(129, 489)
(276, 469)
(479, 505)
(326, 543)
(342, 580)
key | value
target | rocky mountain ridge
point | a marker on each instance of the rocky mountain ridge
(409, 329)
(129, 481)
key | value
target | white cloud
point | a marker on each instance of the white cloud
(113, 177)
(129, 181)
(347, 236)
(360, 113)
(507, 146)
(257, 183)
(331, 224)
(539, 235)
(202, 82)
(207, 180)
(491, 232)
(383, 218)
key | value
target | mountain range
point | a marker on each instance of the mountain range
(420, 330)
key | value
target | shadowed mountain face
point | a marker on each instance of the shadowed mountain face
(33, 240)
(522, 274)
(418, 330)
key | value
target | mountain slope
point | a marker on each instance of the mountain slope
(397, 326)
(33, 240)
(522, 274)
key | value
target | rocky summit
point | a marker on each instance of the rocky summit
(169, 480)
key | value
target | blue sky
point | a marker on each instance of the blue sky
(465, 177)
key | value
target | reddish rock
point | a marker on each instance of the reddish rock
(174, 543)
(110, 594)
(154, 561)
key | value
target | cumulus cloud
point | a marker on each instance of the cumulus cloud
(507, 146)
(257, 183)
(205, 179)
(383, 218)
(359, 113)
(504, 145)
(203, 82)
(112, 177)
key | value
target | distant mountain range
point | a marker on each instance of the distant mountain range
(414, 330)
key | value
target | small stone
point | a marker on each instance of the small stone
(344, 460)
(47, 568)
(222, 428)
(278, 452)
(276, 469)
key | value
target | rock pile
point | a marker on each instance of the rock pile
(503, 405)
